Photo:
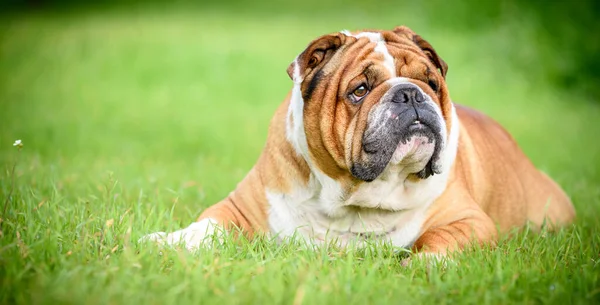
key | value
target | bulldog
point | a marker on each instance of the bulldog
(368, 145)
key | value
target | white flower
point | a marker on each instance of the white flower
(18, 143)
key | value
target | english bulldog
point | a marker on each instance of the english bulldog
(368, 145)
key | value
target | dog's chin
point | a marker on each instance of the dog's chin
(413, 154)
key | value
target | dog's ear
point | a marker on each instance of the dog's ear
(318, 52)
(425, 46)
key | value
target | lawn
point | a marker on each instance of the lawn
(134, 119)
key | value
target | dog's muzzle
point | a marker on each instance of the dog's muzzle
(403, 112)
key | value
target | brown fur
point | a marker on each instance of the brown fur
(492, 183)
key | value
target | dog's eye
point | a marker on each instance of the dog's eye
(433, 84)
(358, 93)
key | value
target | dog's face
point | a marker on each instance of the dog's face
(365, 101)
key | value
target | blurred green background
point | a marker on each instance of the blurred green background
(145, 113)
(183, 91)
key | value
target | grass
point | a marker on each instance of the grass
(134, 120)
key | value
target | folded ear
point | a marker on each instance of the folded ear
(318, 52)
(425, 46)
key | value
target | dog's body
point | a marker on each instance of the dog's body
(368, 145)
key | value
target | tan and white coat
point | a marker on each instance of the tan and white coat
(303, 183)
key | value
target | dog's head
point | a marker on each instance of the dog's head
(366, 100)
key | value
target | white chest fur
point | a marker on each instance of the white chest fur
(390, 208)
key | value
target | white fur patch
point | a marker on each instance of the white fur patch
(388, 60)
(372, 36)
(198, 234)
(295, 123)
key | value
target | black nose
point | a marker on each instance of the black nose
(406, 93)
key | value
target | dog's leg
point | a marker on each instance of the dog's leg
(224, 215)
(455, 236)
(471, 226)
(244, 209)
(193, 237)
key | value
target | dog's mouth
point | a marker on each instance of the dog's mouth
(418, 150)
(412, 141)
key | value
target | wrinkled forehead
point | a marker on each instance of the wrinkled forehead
(380, 47)
(386, 48)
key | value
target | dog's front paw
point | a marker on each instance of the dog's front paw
(198, 234)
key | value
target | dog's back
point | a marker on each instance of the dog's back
(523, 193)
